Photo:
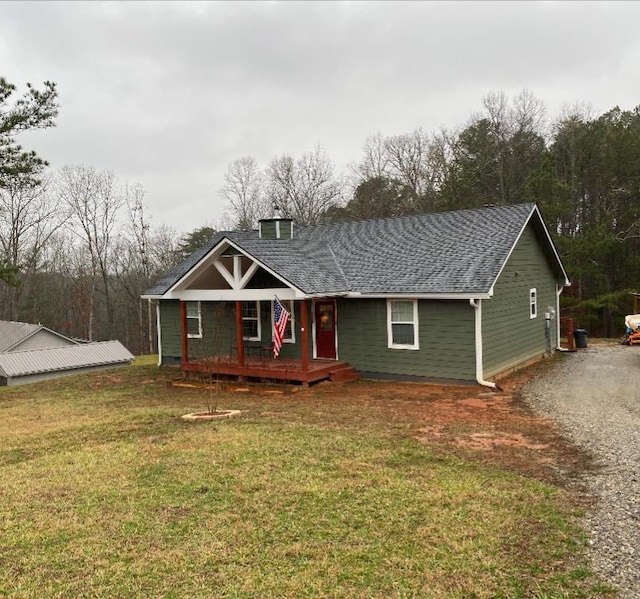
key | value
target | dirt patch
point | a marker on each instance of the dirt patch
(488, 441)
(492, 427)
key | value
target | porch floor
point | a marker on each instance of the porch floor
(271, 369)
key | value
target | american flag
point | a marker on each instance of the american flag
(280, 319)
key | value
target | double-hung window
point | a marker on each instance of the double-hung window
(194, 320)
(533, 303)
(251, 321)
(402, 324)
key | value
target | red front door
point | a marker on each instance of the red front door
(325, 319)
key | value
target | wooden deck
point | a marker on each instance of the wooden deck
(263, 368)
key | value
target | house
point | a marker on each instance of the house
(457, 296)
(32, 352)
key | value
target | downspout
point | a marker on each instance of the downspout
(547, 331)
(158, 328)
(477, 306)
(559, 289)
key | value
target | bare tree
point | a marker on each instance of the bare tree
(529, 114)
(407, 156)
(411, 160)
(133, 270)
(29, 215)
(164, 246)
(375, 159)
(94, 204)
(517, 129)
(58, 293)
(243, 191)
(304, 189)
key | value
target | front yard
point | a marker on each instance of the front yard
(359, 490)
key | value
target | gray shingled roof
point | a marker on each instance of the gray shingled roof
(458, 252)
(59, 359)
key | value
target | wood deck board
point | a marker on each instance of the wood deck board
(281, 369)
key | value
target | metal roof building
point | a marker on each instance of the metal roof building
(31, 353)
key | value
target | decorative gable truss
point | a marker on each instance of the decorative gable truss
(236, 279)
(227, 273)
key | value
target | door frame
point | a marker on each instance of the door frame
(314, 326)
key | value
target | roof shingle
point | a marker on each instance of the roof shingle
(458, 252)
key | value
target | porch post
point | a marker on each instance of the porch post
(184, 332)
(304, 337)
(239, 340)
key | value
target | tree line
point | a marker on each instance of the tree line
(78, 248)
(581, 169)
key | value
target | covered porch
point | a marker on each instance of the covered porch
(251, 360)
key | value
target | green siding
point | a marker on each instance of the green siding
(510, 337)
(445, 334)
(446, 331)
(218, 330)
(268, 229)
(170, 330)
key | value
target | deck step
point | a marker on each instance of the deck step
(344, 373)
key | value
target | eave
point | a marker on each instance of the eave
(550, 244)
(429, 296)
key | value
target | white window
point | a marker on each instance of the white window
(194, 320)
(251, 321)
(289, 332)
(402, 324)
(533, 303)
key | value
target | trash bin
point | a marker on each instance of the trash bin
(580, 335)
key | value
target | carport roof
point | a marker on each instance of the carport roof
(59, 359)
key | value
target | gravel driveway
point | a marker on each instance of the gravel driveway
(594, 394)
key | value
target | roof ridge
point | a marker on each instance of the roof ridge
(418, 215)
(73, 347)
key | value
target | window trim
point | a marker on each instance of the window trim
(197, 335)
(292, 319)
(533, 303)
(414, 322)
(252, 318)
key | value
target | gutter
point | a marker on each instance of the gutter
(477, 306)
(412, 295)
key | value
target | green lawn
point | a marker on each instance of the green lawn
(105, 492)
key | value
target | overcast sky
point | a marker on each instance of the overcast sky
(168, 94)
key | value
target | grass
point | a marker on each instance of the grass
(106, 492)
